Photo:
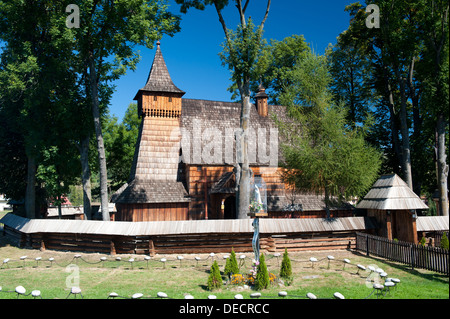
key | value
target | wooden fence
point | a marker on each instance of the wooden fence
(416, 256)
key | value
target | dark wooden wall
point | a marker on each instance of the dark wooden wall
(152, 212)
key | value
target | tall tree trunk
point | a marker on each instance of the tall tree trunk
(406, 151)
(243, 189)
(99, 137)
(442, 166)
(86, 177)
(30, 195)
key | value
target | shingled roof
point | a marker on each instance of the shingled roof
(159, 79)
(222, 119)
(390, 192)
(151, 191)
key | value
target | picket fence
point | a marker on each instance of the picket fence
(416, 256)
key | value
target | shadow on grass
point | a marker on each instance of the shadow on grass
(434, 276)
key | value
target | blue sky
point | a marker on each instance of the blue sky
(192, 54)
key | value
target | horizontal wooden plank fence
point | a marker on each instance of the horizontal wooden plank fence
(416, 256)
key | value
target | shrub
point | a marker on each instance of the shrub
(262, 276)
(286, 268)
(231, 265)
(215, 279)
(444, 241)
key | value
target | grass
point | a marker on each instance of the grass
(98, 279)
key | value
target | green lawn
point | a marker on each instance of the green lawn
(98, 279)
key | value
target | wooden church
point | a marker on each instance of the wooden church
(185, 155)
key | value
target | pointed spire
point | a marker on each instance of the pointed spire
(159, 78)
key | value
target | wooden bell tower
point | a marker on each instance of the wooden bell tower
(159, 106)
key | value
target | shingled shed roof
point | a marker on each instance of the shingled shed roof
(223, 118)
(390, 192)
(151, 191)
(159, 79)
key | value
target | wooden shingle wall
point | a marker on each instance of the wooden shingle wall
(158, 150)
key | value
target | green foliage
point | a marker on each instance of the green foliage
(231, 265)
(120, 141)
(286, 268)
(322, 153)
(444, 241)
(242, 55)
(214, 279)
(262, 280)
(423, 241)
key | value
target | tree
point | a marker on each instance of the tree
(37, 83)
(114, 29)
(242, 50)
(120, 142)
(286, 268)
(231, 265)
(321, 152)
(262, 276)
(214, 279)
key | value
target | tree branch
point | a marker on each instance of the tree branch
(265, 16)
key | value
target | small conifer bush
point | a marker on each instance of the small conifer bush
(231, 265)
(286, 268)
(215, 279)
(444, 241)
(262, 277)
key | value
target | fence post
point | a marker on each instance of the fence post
(367, 244)
(411, 254)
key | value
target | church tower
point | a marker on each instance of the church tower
(154, 191)
(159, 106)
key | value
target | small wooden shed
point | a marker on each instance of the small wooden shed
(394, 206)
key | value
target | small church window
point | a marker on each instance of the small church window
(170, 99)
(155, 98)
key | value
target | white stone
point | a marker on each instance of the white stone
(23, 257)
(114, 295)
(197, 258)
(277, 255)
(361, 267)
(255, 295)
(189, 297)
(118, 258)
(75, 290)
(338, 295)
(313, 259)
(137, 295)
(226, 256)
(395, 280)
(310, 295)
(282, 294)
(330, 257)
(180, 257)
(21, 290)
(389, 284)
(163, 260)
(378, 286)
(238, 296)
(379, 270)
(51, 259)
(103, 258)
(147, 257)
(36, 293)
(77, 256)
(161, 294)
(5, 261)
(131, 260)
(212, 297)
(242, 256)
(371, 268)
(212, 254)
(347, 261)
(383, 274)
